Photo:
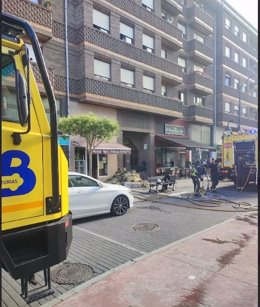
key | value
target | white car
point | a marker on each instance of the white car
(89, 196)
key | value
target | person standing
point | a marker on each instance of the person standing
(240, 172)
(196, 175)
(214, 174)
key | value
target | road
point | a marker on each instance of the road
(105, 242)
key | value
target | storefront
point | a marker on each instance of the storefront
(104, 158)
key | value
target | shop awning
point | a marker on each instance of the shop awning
(103, 148)
(185, 142)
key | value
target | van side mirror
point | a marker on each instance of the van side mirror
(22, 99)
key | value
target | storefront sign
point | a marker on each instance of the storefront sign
(64, 141)
(177, 130)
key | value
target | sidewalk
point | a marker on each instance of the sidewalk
(215, 267)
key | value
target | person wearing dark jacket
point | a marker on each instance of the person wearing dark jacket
(196, 175)
(214, 174)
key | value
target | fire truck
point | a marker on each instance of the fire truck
(36, 224)
(240, 144)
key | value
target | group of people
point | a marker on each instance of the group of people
(211, 168)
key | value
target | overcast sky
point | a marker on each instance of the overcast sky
(247, 8)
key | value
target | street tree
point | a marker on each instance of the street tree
(94, 129)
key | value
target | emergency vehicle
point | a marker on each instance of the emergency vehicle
(36, 226)
(236, 144)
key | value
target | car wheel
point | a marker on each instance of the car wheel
(120, 205)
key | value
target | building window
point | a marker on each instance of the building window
(236, 84)
(80, 160)
(199, 69)
(148, 83)
(127, 77)
(102, 165)
(183, 29)
(126, 33)
(227, 107)
(163, 90)
(227, 51)
(227, 23)
(182, 96)
(183, 64)
(199, 38)
(227, 80)
(163, 53)
(199, 101)
(244, 62)
(244, 37)
(244, 111)
(244, 88)
(31, 53)
(236, 57)
(100, 21)
(148, 4)
(236, 110)
(236, 30)
(101, 69)
(148, 43)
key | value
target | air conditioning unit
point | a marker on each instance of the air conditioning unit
(170, 19)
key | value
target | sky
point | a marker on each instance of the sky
(247, 8)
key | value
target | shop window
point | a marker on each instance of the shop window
(102, 165)
(80, 160)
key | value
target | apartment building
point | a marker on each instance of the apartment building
(149, 64)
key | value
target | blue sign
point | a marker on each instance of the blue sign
(16, 179)
(63, 141)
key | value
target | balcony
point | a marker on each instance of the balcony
(223, 119)
(230, 91)
(38, 78)
(198, 82)
(201, 53)
(172, 7)
(198, 113)
(39, 16)
(199, 19)
(107, 93)
(236, 66)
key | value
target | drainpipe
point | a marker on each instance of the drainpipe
(67, 69)
(66, 52)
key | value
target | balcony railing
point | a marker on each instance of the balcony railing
(124, 94)
(194, 111)
(172, 7)
(194, 45)
(228, 90)
(236, 66)
(193, 13)
(243, 120)
(198, 78)
(35, 13)
(37, 74)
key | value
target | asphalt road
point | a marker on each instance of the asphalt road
(105, 242)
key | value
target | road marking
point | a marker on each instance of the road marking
(112, 241)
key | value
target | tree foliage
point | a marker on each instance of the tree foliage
(94, 129)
